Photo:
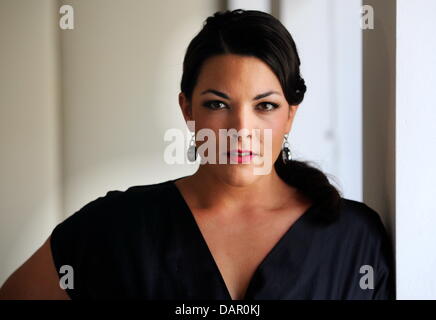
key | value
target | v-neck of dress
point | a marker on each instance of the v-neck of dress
(282, 240)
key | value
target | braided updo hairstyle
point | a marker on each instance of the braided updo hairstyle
(259, 34)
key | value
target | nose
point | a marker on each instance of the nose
(241, 117)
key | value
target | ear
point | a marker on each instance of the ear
(185, 107)
(291, 115)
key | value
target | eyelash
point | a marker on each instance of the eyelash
(208, 104)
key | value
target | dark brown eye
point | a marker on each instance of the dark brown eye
(268, 106)
(215, 105)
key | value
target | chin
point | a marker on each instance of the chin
(238, 175)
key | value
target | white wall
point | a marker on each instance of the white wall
(328, 124)
(416, 149)
(261, 5)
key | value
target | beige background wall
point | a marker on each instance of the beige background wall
(83, 111)
(29, 129)
(121, 68)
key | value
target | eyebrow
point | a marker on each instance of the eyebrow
(225, 96)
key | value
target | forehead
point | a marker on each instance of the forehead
(237, 74)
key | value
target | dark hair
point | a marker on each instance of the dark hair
(259, 34)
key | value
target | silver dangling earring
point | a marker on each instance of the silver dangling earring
(192, 150)
(286, 152)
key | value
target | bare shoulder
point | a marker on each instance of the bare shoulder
(35, 279)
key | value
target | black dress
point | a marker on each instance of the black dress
(145, 243)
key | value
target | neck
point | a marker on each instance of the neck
(268, 192)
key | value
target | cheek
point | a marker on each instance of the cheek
(206, 119)
(277, 124)
(206, 128)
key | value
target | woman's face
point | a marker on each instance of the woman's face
(239, 92)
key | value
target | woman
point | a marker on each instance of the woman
(224, 232)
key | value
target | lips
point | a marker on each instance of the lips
(241, 153)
